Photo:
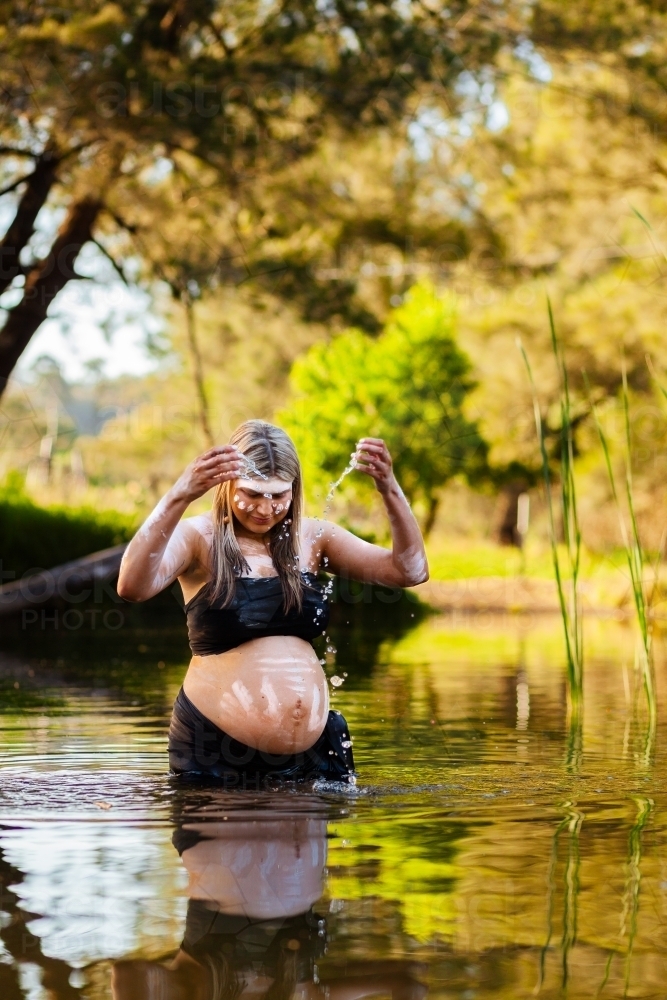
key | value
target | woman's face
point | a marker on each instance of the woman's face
(260, 504)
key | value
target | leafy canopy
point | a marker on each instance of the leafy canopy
(408, 386)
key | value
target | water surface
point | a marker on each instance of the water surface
(488, 850)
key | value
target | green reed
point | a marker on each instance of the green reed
(631, 895)
(571, 889)
(567, 572)
(635, 556)
(571, 821)
(551, 899)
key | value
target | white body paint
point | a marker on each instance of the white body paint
(264, 870)
(245, 700)
(269, 693)
(413, 563)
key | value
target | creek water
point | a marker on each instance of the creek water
(487, 851)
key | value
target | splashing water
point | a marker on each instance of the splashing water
(350, 467)
(249, 466)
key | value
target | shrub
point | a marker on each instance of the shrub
(34, 537)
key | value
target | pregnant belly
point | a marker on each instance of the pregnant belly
(270, 693)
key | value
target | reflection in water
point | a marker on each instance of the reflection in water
(252, 929)
(631, 894)
(486, 855)
(20, 946)
(574, 819)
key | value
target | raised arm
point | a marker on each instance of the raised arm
(164, 547)
(404, 565)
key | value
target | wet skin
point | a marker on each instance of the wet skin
(269, 693)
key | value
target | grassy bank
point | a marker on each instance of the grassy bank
(476, 574)
(470, 558)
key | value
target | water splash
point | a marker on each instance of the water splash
(249, 466)
(350, 467)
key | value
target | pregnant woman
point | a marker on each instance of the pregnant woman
(254, 707)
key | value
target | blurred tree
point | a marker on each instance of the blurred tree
(106, 101)
(557, 185)
(408, 386)
(247, 342)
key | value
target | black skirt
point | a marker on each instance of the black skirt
(199, 749)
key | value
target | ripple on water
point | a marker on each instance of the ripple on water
(485, 847)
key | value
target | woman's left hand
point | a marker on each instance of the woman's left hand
(373, 458)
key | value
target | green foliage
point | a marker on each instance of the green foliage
(192, 122)
(408, 386)
(33, 537)
(342, 202)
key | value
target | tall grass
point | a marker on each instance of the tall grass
(641, 593)
(567, 572)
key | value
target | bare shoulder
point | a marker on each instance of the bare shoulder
(201, 523)
(314, 534)
(315, 527)
(318, 529)
(323, 543)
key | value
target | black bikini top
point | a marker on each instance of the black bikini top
(216, 939)
(256, 610)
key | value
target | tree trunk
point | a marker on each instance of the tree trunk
(431, 514)
(60, 584)
(47, 278)
(198, 371)
(38, 185)
(506, 532)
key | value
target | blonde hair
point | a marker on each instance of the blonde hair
(272, 452)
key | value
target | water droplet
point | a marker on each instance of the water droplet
(337, 681)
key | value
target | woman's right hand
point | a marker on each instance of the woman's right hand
(215, 466)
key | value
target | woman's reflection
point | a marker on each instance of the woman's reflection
(251, 931)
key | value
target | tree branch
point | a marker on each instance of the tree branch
(116, 266)
(120, 221)
(219, 37)
(38, 185)
(11, 151)
(197, 365)
(46, 280)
